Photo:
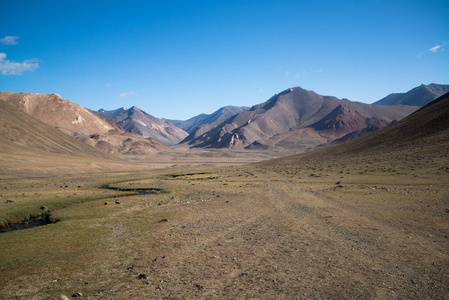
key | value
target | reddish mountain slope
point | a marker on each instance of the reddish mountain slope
(286, 113)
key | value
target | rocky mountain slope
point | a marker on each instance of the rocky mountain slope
(223, 113)
(146, 125)
(58, 112)
(418, 96)
(421, 136)
(91, 127)
(30, 147)
(292, 117)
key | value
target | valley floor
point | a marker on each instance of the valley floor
(229, 233)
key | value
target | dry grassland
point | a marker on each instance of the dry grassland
(311, 231)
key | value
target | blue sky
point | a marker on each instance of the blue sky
(177, 59)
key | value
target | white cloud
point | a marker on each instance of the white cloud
(287, 73)
(124, 95)
(9, 40)
(435, 49)
(8, 67)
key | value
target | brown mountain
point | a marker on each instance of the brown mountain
(146, 125)
(289, 116)
(418, 96)
(58, 112)
(91, 127)
(30, 147)
(419, 139)
(343, 120)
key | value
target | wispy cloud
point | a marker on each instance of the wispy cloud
(435, 49)
(124, 95)
(287, 74)
(9, 40)
(8, 67)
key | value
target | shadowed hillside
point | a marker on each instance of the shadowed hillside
(423, 134)
(30, 147)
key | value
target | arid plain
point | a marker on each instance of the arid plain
(367, 219)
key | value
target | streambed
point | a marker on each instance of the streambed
(44, 218)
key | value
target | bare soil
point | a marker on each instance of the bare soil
(233, 233)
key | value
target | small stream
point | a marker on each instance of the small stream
(44, 218)
(137, 190)
(31, 222)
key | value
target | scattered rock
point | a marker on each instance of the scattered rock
(106, 203)
(200, 287)
(163, 221)
(77, 295)
(147, 282)
(142, 276)
(10, 201)
(45, 208)
(118, 202)
(64, 297)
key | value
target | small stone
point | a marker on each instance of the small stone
(10, 201)
(163, 221)
(77, 295)
(45, 208)
(200, 287)
(118, 202)
(142, 276)
(106, 203)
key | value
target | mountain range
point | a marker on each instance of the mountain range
(295, 119)
(135, 119)
(223, 113)
(424, 133)
(294, 116)
(418, 96)
(92, 128)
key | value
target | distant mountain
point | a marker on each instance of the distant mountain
(92, 128)
(291, 117)
(112, 113)
(418, 96)
(422, 136)
(63, 114)
(146, 125)
(30, 147)
(223, 113)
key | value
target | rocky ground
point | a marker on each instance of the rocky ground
(232, 233)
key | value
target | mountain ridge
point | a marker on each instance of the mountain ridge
(191, 124)
(288, 111)
(146, 125)
(418, 96)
